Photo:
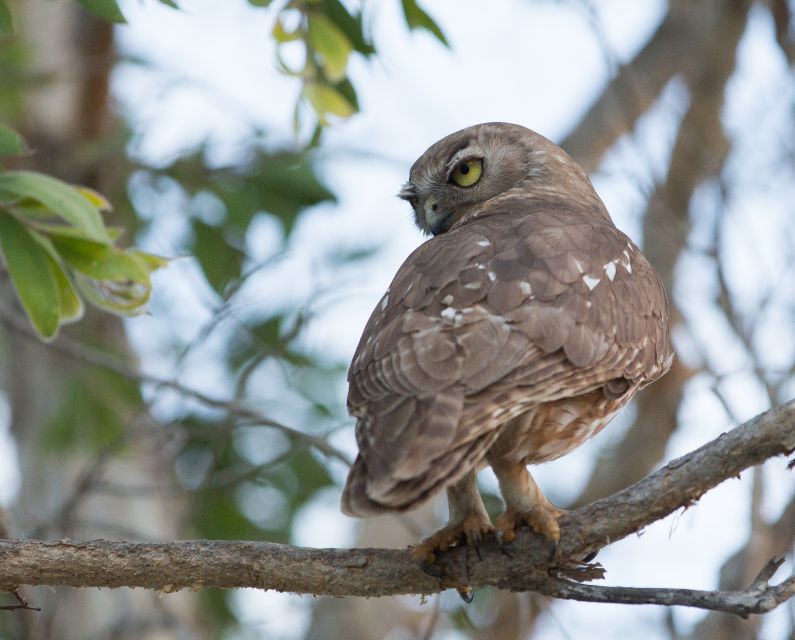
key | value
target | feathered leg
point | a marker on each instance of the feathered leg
(468, 521)
(524, 502)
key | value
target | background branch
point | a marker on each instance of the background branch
(92, 356)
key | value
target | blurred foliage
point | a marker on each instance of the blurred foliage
(58, 251)
(91, 412)
(330, 34)
(327, 30)
(240, 479)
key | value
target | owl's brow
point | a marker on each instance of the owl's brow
(408, 191)
(466, 152)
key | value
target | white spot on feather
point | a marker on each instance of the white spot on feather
(492, 276)
(525, 288)
(384, 302)
(472, 285)
(579, 266)
(590, 281)
(448, 299)
(448, 313)
(627, 263)
(610, 270)
(483, 243)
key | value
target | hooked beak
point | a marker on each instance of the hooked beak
(438, 221)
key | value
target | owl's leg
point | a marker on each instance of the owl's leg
(524, 503)
(468, 520)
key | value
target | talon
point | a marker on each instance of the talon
(469, 531)
(542, 519)
(466, 593)
(431, 569)
(587, 559)
(503, 544)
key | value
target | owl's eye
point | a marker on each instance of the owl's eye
(467, 173)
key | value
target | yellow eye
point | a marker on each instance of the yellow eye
(468, 172)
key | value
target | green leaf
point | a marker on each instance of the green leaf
(260, 3)
(153, 262)
(345, 87)
(57, 229)
(281, 35)
(327, 100)
(6, 20)
(63, 230)
(281, 184)
(27, 264)
(95, 198)
(417, 18)
(122, 298)
(170, 3)
(331, 43)
(62, 199)
(351, 26)
(11, 143)
(105, 9)
(219, 260)
(70, 306)
(100, 261)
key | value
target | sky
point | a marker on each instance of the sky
(535, 63)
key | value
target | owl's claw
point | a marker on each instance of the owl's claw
(542, 518)
(468, 531)
(500, 536)
(466, 593)
(587, 559)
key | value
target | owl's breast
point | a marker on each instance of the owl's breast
(552, 429)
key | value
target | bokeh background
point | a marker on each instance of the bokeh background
(272, 182)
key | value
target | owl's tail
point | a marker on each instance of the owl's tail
(355, 501)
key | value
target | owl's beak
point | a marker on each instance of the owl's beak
(438, 221)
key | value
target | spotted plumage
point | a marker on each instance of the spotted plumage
(509, 338)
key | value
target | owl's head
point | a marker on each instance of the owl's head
(453, 180)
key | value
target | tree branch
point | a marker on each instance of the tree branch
(524, 566)
(760, 597)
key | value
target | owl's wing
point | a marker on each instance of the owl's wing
(501, 312)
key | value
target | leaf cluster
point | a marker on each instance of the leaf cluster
(58, 251)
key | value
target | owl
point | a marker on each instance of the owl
(509, 338)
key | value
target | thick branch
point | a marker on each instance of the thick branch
(380, 572)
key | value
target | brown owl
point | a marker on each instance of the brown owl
(509, 338)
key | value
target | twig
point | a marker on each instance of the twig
(21, 603)
(758, 598)
(433, 619)
(84, 353)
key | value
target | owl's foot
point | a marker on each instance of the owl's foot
(468, 531)
(541, 518)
